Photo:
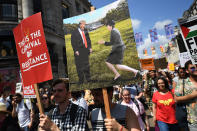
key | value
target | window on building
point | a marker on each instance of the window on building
(8, 12)
(65, 11)
(7, 44)
(7, 48)
(53, 56)
(77, 6)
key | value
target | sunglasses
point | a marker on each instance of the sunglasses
(192, 68)
(44, 98)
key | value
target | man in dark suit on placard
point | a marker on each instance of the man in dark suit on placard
(81, 44)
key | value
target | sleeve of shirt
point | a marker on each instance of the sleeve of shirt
(172, 91)
(83, 104)
(154, 100)
(80, 120)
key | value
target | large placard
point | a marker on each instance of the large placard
(189, 35)
(91, 60)
(32, 50)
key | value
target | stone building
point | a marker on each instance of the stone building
(192, 11)
(53, 13)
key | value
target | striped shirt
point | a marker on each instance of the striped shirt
(63, 121)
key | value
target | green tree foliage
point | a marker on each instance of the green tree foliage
(118, 14)
(69, 28)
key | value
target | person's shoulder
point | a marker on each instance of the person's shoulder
(115, 30)
(27, 101)
(1, 99)
(76, 107)
(81, 99)
(51, 112)
(156, 93)
(95, 110)
(175, 78)
(120, 107)
(75, 31)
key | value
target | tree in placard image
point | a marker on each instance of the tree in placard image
(117, 14)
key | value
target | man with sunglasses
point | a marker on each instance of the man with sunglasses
(60, 117)
(186, 92)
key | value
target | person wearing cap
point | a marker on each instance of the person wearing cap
(81, 45)
(116, 55)
(7, 122)
(122, 118)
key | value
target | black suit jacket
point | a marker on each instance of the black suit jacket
(77, 41)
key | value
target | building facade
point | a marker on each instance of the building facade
(192, 11)
(53, 12)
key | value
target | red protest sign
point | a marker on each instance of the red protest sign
(32, 50)
(29, 92)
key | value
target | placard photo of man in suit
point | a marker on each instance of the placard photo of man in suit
(81, 45)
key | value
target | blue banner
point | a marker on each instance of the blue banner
(153, 35)
(169, 31)
(138, 39)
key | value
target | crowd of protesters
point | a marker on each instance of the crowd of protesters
(170, 98)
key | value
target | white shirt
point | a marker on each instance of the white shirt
(80, 31)
(23, 113)
(81, 102)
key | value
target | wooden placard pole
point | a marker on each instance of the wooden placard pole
(38, 99)
(106, 102)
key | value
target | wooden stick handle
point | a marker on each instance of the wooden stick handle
(106, 102)
(38, 99)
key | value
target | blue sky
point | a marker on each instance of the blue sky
(92, 16)
(147, 14)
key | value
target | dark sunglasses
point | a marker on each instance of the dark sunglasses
(44, 98)
(193, 68)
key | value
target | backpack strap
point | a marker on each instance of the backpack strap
(25, 104)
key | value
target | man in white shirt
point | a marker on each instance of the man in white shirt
(22, 110)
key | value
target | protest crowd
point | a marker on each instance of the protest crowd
(167, 97)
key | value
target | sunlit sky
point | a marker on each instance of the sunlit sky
(92, 16)
(148, 14)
